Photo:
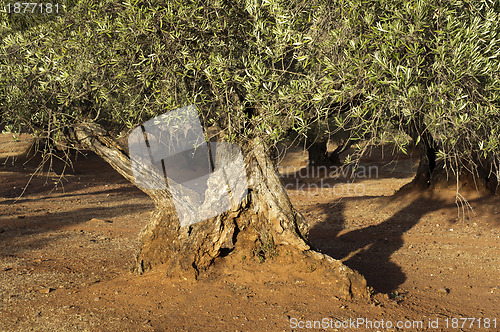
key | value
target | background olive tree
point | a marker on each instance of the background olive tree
(427, 73)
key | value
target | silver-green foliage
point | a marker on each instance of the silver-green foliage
(424, 68)
(420, 68)
(119, 63)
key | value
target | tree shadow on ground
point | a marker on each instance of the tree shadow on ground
(17, 198)
(295, 171)
(369, 249)
(32, 220)
(24, 179)
(20, 234)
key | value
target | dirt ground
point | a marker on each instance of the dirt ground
(66, 253)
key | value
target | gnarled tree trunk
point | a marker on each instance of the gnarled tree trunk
(319, 155)
(264, 221)
(479, 176)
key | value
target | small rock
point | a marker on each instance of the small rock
(444, 290)
(46, 290)
(100, 220)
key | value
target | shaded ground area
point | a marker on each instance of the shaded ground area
(65, 255)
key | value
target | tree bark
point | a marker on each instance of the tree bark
(318, 154)
(431, 174)
(264, 224)
(426, 168)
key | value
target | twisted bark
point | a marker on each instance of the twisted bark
(263, 224)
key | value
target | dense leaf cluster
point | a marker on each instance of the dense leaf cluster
(426, 70)
(120, 63)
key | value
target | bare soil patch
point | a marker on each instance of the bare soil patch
(66, 252)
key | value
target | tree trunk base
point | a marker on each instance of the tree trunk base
(264, 227)
(346, 283)
(191, 251)
(436, 178)
(318, 154)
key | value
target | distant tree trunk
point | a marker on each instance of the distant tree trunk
(318, 154)
(263, 224)
(426, 166)
(431, 173)
(334, 156)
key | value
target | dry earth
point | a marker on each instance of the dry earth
(66, 252)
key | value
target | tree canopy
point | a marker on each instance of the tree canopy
(419, 69)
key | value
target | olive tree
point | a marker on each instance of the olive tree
(101, 68)
(426, 73)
